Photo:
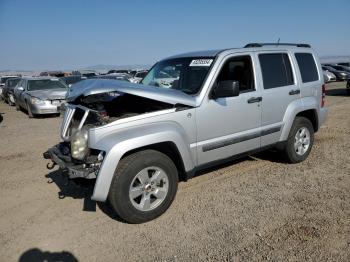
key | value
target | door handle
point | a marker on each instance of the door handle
(294, 92)
(254, 100)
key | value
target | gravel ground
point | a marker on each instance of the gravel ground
(257, 208)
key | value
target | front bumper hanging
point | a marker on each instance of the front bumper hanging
(60, 155)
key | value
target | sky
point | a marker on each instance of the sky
(69, 34)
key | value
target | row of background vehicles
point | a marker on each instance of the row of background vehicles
(44, 94)
(336, 72)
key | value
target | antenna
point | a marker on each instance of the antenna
(278, 41)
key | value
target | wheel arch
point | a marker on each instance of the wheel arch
(310, 114)
(306, 107)
(167, 138)
(169, 149)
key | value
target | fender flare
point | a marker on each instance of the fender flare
(295, 108)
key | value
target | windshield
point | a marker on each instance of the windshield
(12, 82)
(184, 74)
(3, 79)
(45, 84)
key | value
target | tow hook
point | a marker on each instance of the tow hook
(50, 166)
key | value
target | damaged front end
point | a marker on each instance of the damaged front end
(73, 155)
(60, 155)
(87, 111)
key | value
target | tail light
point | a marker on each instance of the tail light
(323, 95)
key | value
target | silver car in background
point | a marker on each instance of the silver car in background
(40, 95)
(328, 76)
(115, 76)
(138, 76)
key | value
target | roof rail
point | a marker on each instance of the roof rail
(275, 44)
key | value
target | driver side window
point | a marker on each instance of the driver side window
(238, 68)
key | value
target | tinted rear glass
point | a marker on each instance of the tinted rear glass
(307, 67)
(276, 70)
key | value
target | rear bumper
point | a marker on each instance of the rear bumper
(60, 156)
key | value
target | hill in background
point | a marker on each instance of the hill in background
(101, 68)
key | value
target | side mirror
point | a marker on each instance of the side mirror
(227, 88)
(20, 88)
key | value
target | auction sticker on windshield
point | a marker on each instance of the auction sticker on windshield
(201, 62)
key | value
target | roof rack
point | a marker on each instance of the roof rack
(275, 44)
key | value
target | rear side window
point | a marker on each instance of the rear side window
(276, 70)
(307, 67)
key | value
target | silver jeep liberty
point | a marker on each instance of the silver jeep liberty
(189, 112)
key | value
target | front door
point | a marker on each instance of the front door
(231, 125)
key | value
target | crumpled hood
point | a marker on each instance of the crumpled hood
(49, 94)
(99, 86)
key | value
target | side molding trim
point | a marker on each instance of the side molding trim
(232, 141)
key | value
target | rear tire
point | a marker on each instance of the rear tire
(138, 194)
(300, 140)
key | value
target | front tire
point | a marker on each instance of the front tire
(144, 186)
(30, 114)
(300, 140)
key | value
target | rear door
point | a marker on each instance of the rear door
(280, 88)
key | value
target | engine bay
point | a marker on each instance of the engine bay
(109, 107)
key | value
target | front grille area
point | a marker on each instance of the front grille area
(74, 117)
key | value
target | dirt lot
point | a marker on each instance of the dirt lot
(254, 209)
